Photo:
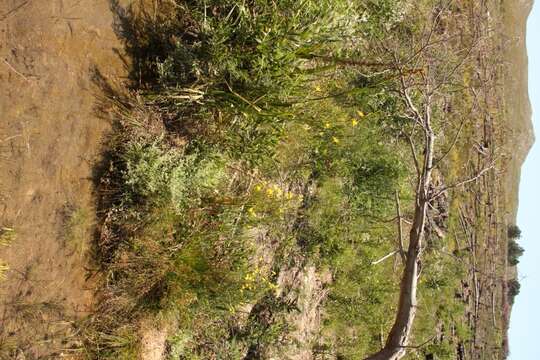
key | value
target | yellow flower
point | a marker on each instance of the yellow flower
(318, 88)
(258, 187)
(335, 139)
(327, 125)
(354, 122)
(251, 212)
(269, 192)
(361, 114)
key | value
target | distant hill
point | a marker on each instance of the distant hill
(516, 96)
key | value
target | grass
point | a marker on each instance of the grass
(7, 236)
(78, 227)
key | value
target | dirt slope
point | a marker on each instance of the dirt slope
(49, 139)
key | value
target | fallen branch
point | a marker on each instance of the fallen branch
(385, 257)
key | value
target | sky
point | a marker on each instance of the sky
(524, 330)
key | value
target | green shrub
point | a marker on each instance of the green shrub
(515, 251)
(514, 232)
(513, 289)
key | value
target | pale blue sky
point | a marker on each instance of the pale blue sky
(525, 320)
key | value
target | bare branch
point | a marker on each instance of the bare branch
(414, 155)
(454, 141)
(385, 257)
(463, 182)
(400, 230)
(422, 344)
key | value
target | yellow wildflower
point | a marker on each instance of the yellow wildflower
(258, 187)
(269, 192)
(361, 114)
(335, 139)
(318, 88)
(354, 122)
(327, 125)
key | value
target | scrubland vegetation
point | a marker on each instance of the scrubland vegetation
(249, 193)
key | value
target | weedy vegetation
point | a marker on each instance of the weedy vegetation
(258, 140)
(77, 229)
(7, 236)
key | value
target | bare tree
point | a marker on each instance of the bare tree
(421, 94)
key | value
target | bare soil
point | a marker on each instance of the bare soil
(50, 137)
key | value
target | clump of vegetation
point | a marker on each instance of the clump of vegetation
(252, 138)
(513, 290)
(77, 229)
(7, 236)
(514, 232)
(257, 144)
(515, 251)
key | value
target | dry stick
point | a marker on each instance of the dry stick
(10, 138)
(466, 181)
(454, 141)
(400, 250)
(422, 344)
(15, 70)
(385, 257)
(12, 11)
(413, 152)
(352, 62)
(258, 109)
(400, 230)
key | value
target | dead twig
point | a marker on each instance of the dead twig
(14, 10)
(15, 70)
(400, 230)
